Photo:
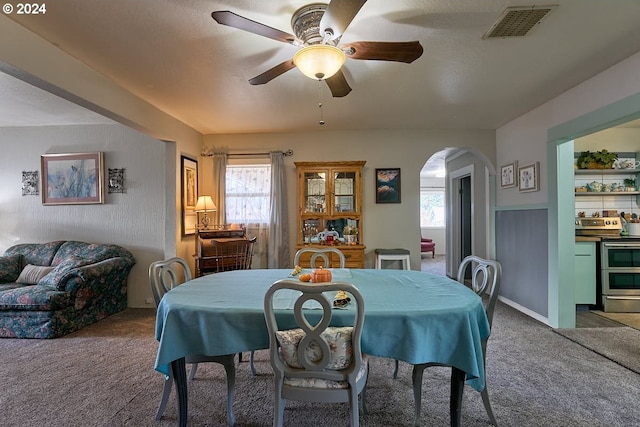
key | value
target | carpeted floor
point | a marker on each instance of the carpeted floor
(103, 376)
(623, 343)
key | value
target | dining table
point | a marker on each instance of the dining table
(412, 316)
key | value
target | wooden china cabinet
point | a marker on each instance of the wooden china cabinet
(330, 205)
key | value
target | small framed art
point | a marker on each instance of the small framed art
(72, 179)
(508, 175)
(189, 179)
(529, 177)
(388, 185)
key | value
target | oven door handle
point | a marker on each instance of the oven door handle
(621, 245)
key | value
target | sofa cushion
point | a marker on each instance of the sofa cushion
(35, 253)
(31, 274)
(93, 251)
(338, 338)
(10, 267)
(57, 278)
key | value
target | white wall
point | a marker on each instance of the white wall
(134, 220)
(385, 225)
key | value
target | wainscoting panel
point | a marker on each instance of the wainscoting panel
(521, 248)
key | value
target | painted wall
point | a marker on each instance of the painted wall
(135, 219)
(385, 225)
(607, 99)
(36, 61)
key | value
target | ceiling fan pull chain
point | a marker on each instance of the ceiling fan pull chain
(321, 122)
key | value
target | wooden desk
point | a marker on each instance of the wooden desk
(206, 260)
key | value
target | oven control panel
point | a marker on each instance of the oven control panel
(612, 223)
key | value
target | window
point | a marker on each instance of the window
(248, 193)
(432, 207)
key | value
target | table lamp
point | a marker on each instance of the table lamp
(205, 204)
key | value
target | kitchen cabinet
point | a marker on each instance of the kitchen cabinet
(585, 273)
(330, 204)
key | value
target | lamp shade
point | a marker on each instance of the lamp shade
(205, 204)
(319, 61)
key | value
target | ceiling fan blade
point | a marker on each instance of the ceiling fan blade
(338, 16)
(384, 51)
(338, 85)
(231, 19)
(272, 73)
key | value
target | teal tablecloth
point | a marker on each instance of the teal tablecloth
(409, 315)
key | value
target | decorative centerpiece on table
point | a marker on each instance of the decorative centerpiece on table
(350, 234)
(596, 160)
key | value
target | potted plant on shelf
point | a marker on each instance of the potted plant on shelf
(350, 234)
(596, 160)
(630, 184)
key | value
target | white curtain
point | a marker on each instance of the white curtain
(219, 187)
(278, 219)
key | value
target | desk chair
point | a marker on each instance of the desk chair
(485, 276)
(164, 276)
(316, 253)
(312, 363)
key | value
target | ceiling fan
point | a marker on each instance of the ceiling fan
(318, 28)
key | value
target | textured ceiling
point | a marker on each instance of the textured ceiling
(173, 55)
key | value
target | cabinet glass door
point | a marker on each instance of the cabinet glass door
(315, 190)
(344, 191)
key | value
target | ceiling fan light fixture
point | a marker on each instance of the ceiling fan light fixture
(319, 61)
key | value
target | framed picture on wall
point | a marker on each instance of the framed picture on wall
(189, 185)
(529, 177)
(388, 185)
(72, 179)
(508, 175)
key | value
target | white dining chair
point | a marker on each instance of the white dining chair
(316, 362)
(484, 278)
(323, 253)
(164, 276)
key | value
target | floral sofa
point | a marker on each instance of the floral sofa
(48, 290)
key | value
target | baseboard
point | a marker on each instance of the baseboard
(524, 310)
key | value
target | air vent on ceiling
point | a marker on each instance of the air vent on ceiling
(517, 21)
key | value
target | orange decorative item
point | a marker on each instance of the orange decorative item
(306, 277)
(321, 275)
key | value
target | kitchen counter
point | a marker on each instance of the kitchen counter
(588, 238)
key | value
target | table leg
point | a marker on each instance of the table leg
(178, 369)
(457, 389)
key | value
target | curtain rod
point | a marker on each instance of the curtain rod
(287, 153)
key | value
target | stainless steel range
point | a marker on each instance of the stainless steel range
(620, 275)
(602, 227)
(619, 260)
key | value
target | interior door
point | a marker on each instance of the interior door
(465, 216)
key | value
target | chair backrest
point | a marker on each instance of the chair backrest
(227, 255)
(322, 253)
(167, 274)
(305, 351)
(485, 276)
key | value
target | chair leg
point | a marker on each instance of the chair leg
(166, 392)
(353, 408)
(416, 380)
(230, 369)
(192, 373)
(487, 405)
(253, 368)
(395, 370)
